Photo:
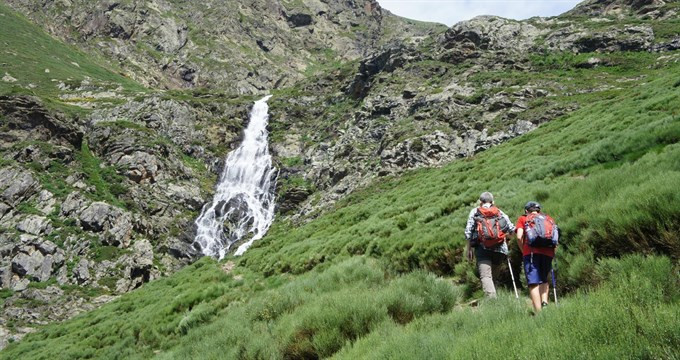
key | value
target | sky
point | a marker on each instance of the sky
(450, 12)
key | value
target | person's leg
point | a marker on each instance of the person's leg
(533, 281)
(535, 295)
(485, 274)
(544, 290)
(496, 267)
(544, 266)
(484, 265)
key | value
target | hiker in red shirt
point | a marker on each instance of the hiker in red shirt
(537, 258)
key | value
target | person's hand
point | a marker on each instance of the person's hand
(470, 253)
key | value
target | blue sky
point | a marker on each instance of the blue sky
(450, 12)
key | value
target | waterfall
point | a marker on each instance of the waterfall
(244, 198)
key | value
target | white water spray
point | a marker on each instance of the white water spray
(244, 198)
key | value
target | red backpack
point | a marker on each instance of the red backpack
(490, 226)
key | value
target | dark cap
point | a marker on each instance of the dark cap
(532, 206)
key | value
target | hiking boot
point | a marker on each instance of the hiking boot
(544, 304)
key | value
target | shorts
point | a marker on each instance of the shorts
(537, 268)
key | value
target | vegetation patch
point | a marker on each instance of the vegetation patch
(106, 181)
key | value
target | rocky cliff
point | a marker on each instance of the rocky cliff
(480, 83)
(101, 180)
(240, 46)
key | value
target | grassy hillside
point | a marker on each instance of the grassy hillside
(607, 173)
(357, 282)
(39, 64)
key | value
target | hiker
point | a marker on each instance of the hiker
(485, 232)
(537, 236)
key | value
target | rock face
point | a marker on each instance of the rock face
(32, 259)
(34, 225)
(653, 9)
(25, 114)
(235, 45)
(576, 40)
(102, 217)
(491, 33)
(16, 186)
(74, 216)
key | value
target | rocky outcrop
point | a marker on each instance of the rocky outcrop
(115, 223)
(232, 45)
(388, 128)
(16, 185)
(56, 188)
(578, 40)
(27, 118)
(385, 61)
(32, 259)
(653, 9)
(671, 45)
(491, 33)
(35, 225)
(138, 267)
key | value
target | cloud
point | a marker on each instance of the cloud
(450, 12)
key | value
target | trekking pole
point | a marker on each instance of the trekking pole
(513, 278)
(554, 282)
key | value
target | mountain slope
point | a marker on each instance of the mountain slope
(35, 63)
(240, 46)
(624, 141)
(102, 178)
(480, 83)
(608, 173)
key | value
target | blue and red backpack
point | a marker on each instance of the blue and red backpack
(541, 231)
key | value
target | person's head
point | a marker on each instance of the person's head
(532, 206)
(486, 198)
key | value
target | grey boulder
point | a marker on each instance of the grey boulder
(16, 185)
(114, 222)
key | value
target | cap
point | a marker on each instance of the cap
(532, 205)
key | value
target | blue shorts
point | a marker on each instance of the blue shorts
(537, 268)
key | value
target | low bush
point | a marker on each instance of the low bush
(632, 314)
(607, 173)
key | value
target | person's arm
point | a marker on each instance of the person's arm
(511, 227)
(469, 226)
(520, 231)
(520, 239)
(469, 251)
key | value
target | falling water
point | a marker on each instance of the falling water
(244, 198)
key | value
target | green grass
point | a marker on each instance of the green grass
(357, 309)
(316, 315)
(632, 315)
(607, 173)
(202, 301)
(4, 294)
(106, 181)
(101, 253)
(43, 285)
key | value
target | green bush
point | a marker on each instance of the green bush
(317, 314)
(632, 314)
(607, 173)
